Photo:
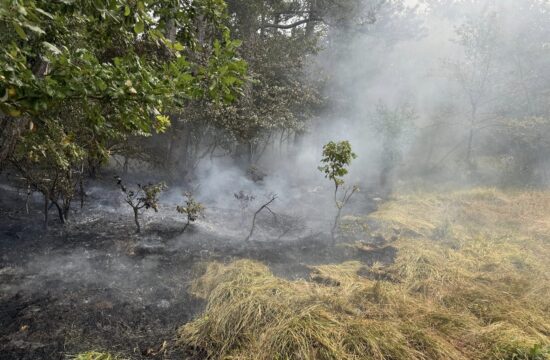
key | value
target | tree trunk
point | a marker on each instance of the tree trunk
(243, 154)
(185, 227)
(46, 204)
(473, 121)
(59, 212)
(82, 192)
(29, 193)
(92, 171)
(125, 167)
(66, 210)
(335, 226)
(10, 130)
(469, 150)
(136, 219)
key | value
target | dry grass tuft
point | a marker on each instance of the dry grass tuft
(95, 355)
(471, 281)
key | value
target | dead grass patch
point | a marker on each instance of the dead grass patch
(470, 281)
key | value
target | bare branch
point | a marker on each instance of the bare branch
(264, 206)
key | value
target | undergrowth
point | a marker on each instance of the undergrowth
(471, 281)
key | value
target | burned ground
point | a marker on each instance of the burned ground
(95, 284)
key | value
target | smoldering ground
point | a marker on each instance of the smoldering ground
(94, 283)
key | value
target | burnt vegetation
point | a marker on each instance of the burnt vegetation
(282, 179)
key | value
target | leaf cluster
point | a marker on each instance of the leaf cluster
(144, 197)
(337, 156)
(192, 209)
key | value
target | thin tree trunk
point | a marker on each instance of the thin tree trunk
(29, 192)
(125, 167)
(469, 151)
(46, 204)
(473, 122)
(59, 212)
(66, 210)
(82, 193)
(335, 226)
(185, 227)
(136, 215)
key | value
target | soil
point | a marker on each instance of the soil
(94, 284)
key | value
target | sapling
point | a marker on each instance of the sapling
(245, 199)
(192, 210)
(337, 157)
(144, 198)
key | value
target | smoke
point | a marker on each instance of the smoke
(429, 90)
(402, 90)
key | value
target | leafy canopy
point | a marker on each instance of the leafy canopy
(96, 72)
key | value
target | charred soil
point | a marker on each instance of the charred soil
(95, 284)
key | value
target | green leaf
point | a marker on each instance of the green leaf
(101, 85)
(126, 10)
(51, 47)
(178, 46)
(34, 28)
(19, 30)
(45, 13)
(141, 6)
(139, 27)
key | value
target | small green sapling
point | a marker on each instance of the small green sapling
(337, 157)
(144, 197)
(192, 210)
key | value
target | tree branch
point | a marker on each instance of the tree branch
(291, 25)
(264, 206)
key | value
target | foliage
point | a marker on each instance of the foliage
(145, 197)
(50, 162)
(478, 294)
(279, 96)
(336, 158)
(80, 77)
(192, 209)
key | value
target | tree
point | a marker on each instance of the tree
(79, 77)
(192, 210)
(474, 74)
(244, 199)
(280, 98)
(337, 157)
(391, 125)
(145, 197)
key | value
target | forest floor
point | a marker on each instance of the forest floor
(96, 285)
(429, 275)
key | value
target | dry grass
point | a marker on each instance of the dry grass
(95, 355)
(471, 281)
